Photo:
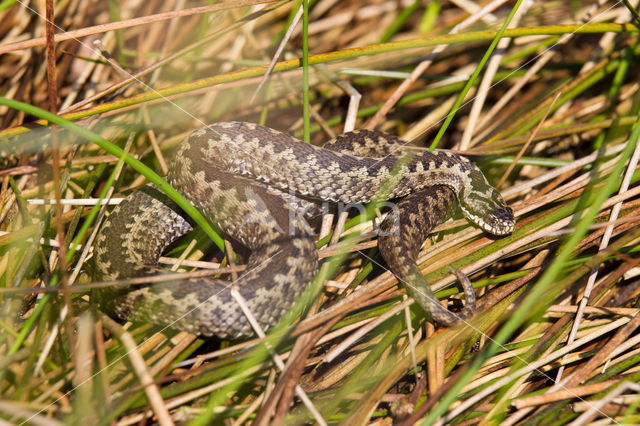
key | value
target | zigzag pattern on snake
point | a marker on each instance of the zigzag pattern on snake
(257, 184)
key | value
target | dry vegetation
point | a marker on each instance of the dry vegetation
(552, 119)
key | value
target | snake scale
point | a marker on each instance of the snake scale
(258, 185)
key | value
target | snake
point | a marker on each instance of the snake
(261, 188)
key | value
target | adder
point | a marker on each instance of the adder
(256, 184)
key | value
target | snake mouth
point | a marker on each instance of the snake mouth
(498, 222)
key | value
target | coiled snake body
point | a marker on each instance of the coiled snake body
(254, 182)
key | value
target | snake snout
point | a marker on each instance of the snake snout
(501, 221)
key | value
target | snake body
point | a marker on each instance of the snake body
(257, 185)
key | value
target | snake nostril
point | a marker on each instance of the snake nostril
(505, 214)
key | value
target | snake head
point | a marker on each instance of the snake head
(483, 205)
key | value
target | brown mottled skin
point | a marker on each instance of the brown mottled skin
(406, 227)
(251, 181)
